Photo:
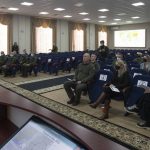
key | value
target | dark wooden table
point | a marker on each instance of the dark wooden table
(91, 139)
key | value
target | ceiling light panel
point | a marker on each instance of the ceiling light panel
(103, 10)
(13, 9)
(27, 3)
(121, 14)
(59, 9)
(114, 23)
(102, 17)
(79, 4)
(83, 13)
(117, 19)
(101, 21)
(138, 4)
(136, 17)
(129, 21)
(43, 13)
(67, 16)
(86, 19)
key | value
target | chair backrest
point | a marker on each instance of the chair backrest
(95, 88)
(133, 66)
(135, 72)
(141, 80)
(103, 76)
(137, 89)
(107, 68)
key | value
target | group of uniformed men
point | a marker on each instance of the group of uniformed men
(24, 63)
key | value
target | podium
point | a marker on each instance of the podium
(91, 139)
(3, 112)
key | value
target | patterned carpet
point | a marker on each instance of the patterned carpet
(122, 135)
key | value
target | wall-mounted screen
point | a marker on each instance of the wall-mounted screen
(129, 38)
(36, 134)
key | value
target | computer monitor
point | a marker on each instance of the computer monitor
(37, 134)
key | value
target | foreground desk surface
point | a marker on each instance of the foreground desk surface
(91, 139)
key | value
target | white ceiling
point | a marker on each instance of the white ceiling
(91, 6)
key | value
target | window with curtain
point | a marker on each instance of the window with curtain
(44, 39)
(78, 40)
(102, 36)
(4, 38)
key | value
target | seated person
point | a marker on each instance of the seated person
(142, 108)
(33, 64)
(83, 75)
(24, 65)
(3, 60)
(120, 81)
(138, 58)
(146, 63)
(10, 66)
(118, 56)
(95, 63)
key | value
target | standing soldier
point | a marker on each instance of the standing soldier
(102, 51)
(15, 47)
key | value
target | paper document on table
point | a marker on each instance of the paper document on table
(113, 88)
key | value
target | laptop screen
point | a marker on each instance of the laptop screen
(36, 134)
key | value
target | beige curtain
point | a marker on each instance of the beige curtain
(99, 28)
(7, 20)
(78, 26)
(45, 23)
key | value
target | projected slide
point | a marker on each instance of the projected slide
(129, 38)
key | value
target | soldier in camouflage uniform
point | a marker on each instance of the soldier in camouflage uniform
(33, 64)
(10, 65)
(3, 59)
(24, 65)
(83, 75)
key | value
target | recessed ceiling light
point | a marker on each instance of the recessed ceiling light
(79, 4)
(102, 17)
(101, 21)
(136, 17)
(117, 19)
(67, 16)
(138, 4)
(113, 23)
(86, 19)
(43, 13)
(129, 21)
(121, 14)
(59, 9)
(12, 8)
(27, 4)
(103, 10)
(83, 13)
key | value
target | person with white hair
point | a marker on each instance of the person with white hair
(83, 76)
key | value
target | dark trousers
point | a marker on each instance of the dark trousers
(74, 90)
(144, 107)
(111, 94)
